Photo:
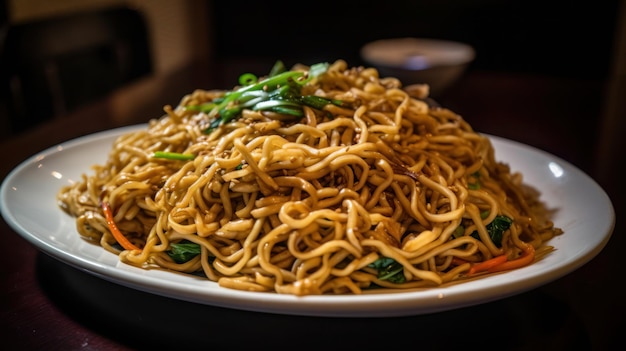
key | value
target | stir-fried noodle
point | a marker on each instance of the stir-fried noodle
(367, 186)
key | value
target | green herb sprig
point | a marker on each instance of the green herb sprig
(280, 92)
(389, 269)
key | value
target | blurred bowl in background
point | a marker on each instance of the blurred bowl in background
(438, 63)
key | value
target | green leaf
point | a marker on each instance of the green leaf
(458, 232)
(389, 269)
(183, 251)
(474, 181)
(496, 229)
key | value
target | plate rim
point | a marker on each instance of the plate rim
(383, 304)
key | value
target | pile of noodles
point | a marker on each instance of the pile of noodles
(309, 205)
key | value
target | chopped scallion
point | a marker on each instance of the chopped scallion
(173, 155)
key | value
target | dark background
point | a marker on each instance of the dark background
(560, 39)
(556, 38)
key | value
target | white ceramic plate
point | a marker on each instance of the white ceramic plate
(29, 206)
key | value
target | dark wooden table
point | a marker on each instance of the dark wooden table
(47, 305)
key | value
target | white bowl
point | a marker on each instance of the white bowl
(438, 63)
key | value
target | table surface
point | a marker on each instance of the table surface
(46, 304)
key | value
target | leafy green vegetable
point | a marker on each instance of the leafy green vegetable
(389, 269)
(458, 232)
(473, 186)
(474, 181)
(496, 228)
(183, 251)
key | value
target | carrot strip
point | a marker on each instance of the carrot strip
(117, 234)
(526, 258)
(487, 265)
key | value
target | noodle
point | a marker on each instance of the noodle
(381, 190)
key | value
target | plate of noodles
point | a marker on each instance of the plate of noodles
(320, 190)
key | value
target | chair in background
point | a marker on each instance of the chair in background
(53, 66)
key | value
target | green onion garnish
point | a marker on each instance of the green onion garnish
(173, 155)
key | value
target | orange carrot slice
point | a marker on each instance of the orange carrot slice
(117, 234)
(525, 259)
(487, 265)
